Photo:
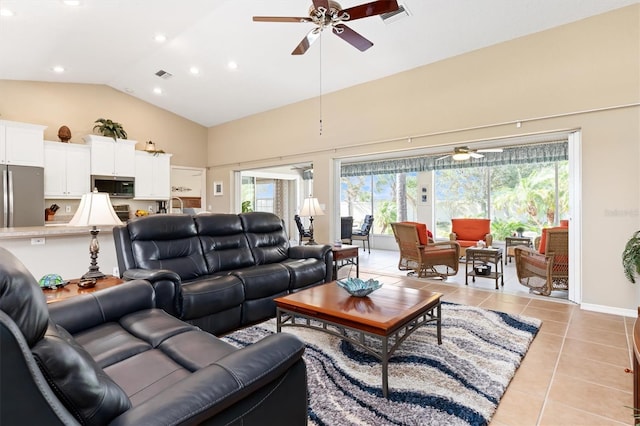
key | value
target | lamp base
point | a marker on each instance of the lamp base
(93, 275)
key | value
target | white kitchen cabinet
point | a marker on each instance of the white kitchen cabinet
(21, 144)
(111, 158)
(153, 176)
(67, 171)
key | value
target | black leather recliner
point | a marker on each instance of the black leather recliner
(219, 271)
(110, 357)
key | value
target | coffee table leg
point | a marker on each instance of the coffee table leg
(439, 322)
(385, 367)
(278, 320)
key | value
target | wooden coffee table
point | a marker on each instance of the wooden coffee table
(389, 315)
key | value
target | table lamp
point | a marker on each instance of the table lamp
(95, 209)
(310, 208)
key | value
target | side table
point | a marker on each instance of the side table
(345, 255)
(481, 256)
(511, 242)
(72, 289)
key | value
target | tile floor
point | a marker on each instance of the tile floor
(574, 372)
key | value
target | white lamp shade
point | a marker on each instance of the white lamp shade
(95, 209)
(311, 207)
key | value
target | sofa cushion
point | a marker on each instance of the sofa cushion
(82, 386)
(266, 236)
(211, 294)
(305, 272)
(224, 243)
(167, 242)
(263, 280)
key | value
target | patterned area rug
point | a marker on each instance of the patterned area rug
(457, 383)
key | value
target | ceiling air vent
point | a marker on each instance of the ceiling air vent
(396, 15)
(164, 74)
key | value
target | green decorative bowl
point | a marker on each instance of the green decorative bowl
(52, 281)
(359, 288)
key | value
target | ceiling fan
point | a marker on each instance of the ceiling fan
(328, 13)
(461, 153)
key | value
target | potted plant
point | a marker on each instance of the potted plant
(631, 257)
(519, 231)
(110, 128)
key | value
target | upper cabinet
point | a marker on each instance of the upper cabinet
(112, 158)
(153, 176)
(21, 144)
(66, 170)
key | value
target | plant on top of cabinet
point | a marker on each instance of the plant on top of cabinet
(110, 128)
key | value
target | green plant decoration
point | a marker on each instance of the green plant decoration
(110, 128)
(631, 258)
(246, 207)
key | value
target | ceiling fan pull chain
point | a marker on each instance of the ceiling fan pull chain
(320, 62)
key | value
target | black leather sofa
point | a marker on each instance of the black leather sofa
(112, 358)
(218, 271)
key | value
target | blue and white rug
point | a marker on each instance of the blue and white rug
(459, 382)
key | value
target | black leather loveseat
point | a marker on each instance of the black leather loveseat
(110, 357)
(218, 271)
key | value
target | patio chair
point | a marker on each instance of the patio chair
(346, 228)
(468, 231)
(304, 234)
(425, 259)
(364, 231)
(548, 271)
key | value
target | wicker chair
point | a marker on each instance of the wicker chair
(543, 273)
(426, 260)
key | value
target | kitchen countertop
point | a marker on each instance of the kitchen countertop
(50, 230)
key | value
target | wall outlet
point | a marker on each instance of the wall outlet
(67, 209)
(151, 210)
(37, 241)
(116, 272)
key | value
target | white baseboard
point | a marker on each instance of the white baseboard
(609, 310)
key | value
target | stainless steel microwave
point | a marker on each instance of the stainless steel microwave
(115, 186)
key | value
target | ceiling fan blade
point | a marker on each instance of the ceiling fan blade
(307, 42)
(490, 150)
(295, 19)
(351, 37)
(476, 155)
(369, 9)
(321, 3)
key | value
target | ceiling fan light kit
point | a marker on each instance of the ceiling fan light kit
(329, 14)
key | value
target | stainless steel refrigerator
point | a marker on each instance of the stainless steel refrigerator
(22, 196)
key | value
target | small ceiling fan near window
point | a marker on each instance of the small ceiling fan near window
(462, 153)
(329, 14)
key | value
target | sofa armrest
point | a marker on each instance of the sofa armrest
(167, 285)
(80, 313)
(211, 390)
(305, 252)
(320, 252)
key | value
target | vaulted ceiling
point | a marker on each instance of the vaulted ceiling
(112, 42)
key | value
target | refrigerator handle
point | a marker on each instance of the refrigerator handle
(5, 201)
(10, 187)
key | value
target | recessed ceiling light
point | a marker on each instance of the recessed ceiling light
(160, 38)
(157, 91)
(232, 65)
(6, 12)
(71, 2)
(194, 70)
(59, 69)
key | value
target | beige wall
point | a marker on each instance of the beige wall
(79, 105)
(548, 81)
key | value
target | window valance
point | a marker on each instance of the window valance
(538, 153)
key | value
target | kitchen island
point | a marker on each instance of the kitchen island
(59, 249)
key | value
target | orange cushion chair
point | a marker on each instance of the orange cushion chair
(425, 235)
(543, 239)
(467, 232)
